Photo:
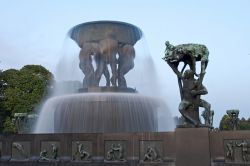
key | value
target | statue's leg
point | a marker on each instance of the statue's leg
(204, 104)
(88, 71)
(99, 71)
(121, 79)
(183, 108)
(84, 81)
(91, 77)
(107, 75)
(124, 68)
(113, 65)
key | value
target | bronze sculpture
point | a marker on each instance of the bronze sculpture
(108, 43)
(234, 120)
(208, 117)
(189, 54)
(105, 53)
(88, 50)
(190, 88)
(125, 62)
(108, 51)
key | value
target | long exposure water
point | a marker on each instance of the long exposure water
(69, 111)
(103, 113)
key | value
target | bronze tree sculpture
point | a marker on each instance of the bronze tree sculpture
(191, 88)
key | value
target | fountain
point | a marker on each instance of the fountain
(114, 108)
(115, 124)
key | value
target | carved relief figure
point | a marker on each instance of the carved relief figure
(151, 155)
(115, 153)
(244, 148)
(230, 150)
(84, 155)
(54, 151)
(20, 148)
(49, 153)
(44, 155)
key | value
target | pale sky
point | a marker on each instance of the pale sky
(33, 32)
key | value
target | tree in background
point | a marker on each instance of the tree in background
(9, 127)
(244, 124)
(226, 123)
(1, 107)
(22, 90)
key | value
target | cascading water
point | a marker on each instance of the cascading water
(109, 109)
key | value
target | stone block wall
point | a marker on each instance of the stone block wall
(88, 149)
(183, 147)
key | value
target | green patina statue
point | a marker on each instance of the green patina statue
(191, 88)
(189, 54)
(234, 114)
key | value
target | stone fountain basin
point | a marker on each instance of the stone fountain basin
(98, 30)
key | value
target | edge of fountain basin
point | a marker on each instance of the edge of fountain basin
(107, 21)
